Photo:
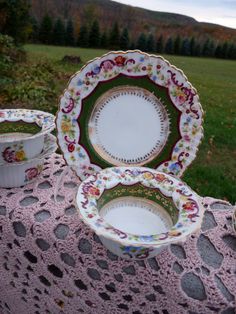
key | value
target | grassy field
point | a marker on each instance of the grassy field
(213, 173)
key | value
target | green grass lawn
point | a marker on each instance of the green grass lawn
(213, 173)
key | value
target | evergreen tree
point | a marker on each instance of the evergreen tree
(124, 39)
(205, 48)
(212, 48)
(159, 45)
(218, 51)
(69, 36)
(34, 35)
(104, 40)
(94, 35)
(192, 46)
(232, 51)
(132, 46)
(15, 19)
(185, 48)
(142, 42)
(169, 47)
(58, 37)
(197, 50)
(177, 45)
(150, 43)
(45, 32)
(225, 49)
(114, 38)
(83, 39)
(208, 49)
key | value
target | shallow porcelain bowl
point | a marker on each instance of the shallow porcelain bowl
(138, 211)
(20, 173)
(22, 133)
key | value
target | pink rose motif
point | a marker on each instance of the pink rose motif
(8, 155)
(189, 206)
(71, 147)
(31, 173)
(2, 114)
(160, 177)
(181, 99)
(107, 65)
(187, 138)
(93, 191)
(120, 61)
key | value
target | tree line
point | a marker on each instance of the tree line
(17, 22)
(91, 36)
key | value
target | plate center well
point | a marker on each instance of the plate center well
(136, 215)
(128, 125)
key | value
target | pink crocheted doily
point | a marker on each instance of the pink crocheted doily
(50, 262)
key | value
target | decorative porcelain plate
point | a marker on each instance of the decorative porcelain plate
(138, 210)
(129, 108)
(22, 133)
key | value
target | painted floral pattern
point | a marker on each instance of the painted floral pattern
(187, 203)
(182, 95)
(137, 252)
(14, 154)
(32, 173)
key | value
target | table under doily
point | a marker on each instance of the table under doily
(50, 262)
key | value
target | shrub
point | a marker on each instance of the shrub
(10, 54)
(33, 85)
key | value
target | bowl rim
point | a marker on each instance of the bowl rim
(50, 146)
(13, 115)
(188, 203)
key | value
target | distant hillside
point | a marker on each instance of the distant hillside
(136, 19)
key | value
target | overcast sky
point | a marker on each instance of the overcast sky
(221, 12)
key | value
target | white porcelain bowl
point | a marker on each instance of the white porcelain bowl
(22, 145)
(138, 211)
(20, 173)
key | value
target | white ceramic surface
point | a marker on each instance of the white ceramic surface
(20, 173)
(132, 214)
(129, 126)
(18, 147)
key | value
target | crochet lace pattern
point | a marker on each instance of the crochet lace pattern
(50, 262)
